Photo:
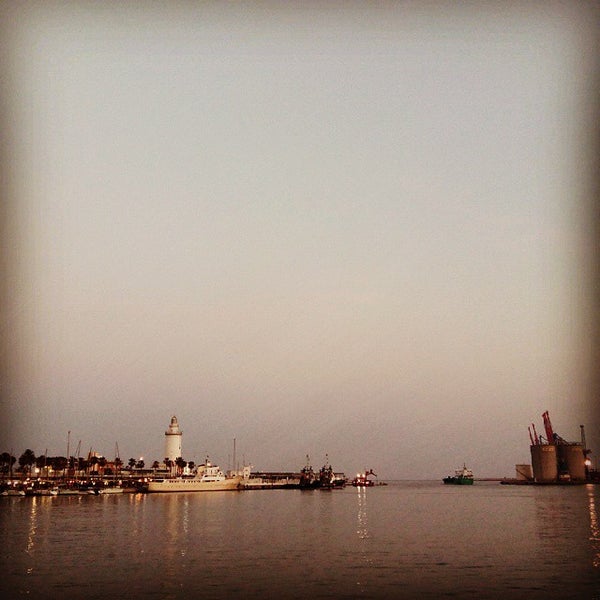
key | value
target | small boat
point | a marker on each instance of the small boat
(69, 491)
(111, 490)
(362, 479)
(462, 476)
(13, 492)
(208, 478)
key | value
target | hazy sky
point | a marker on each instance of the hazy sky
(353, 229)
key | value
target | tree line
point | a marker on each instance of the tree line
(28, 461)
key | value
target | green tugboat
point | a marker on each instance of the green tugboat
(462, 476)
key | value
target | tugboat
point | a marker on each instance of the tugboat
(325, 478)
(328, 480)
(362, 479)
(308, 480)
(462, 476)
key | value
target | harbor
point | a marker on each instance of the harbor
(554, 461)
(95, 474)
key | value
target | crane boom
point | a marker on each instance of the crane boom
(535, 435)
(548, 427)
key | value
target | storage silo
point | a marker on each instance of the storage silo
(544, 463)
(523, 473)
(572, 459)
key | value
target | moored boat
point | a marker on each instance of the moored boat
(70, 491)
(208, 478)
(12, 492)
(362, 479)
(462, 476)
(308, 479)
(111, 490)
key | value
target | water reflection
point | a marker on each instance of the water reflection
(32, 525)
(363, 530)
(594, 527)
(177, 525)
(363, 535)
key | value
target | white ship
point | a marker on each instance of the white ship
(208, 478)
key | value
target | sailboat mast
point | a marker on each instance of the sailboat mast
(234, 465)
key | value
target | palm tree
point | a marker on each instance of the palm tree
(26, 460)
(93, 462)
(40, 463)
(181, 464)
(82, 464)
(168, 463)
(59, 463)
(131, 463)
(6, 462)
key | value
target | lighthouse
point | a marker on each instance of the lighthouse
(173, 440)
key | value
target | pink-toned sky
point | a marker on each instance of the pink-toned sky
(353, 229)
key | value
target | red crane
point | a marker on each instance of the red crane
(535, 435)
(548, 428)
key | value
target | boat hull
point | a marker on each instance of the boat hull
(458, 481)
(194, 485)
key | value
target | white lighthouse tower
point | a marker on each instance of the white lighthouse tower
(173, 440)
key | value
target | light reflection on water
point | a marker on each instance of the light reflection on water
(400, 540)
(594, 527)
(363, 536)
(32, 525)
(363, 530)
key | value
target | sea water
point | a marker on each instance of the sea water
(402, 540)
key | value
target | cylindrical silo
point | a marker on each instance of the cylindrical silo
(523, 472)
(572, 459)
(544, 463)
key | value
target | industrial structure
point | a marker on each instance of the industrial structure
(555, 460)
(173, 437)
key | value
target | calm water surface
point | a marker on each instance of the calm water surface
(403, 540)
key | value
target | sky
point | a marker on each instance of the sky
(344, 229)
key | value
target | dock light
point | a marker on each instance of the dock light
(588, 462)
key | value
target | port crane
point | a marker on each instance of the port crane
(550, 436)
(534, 438)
